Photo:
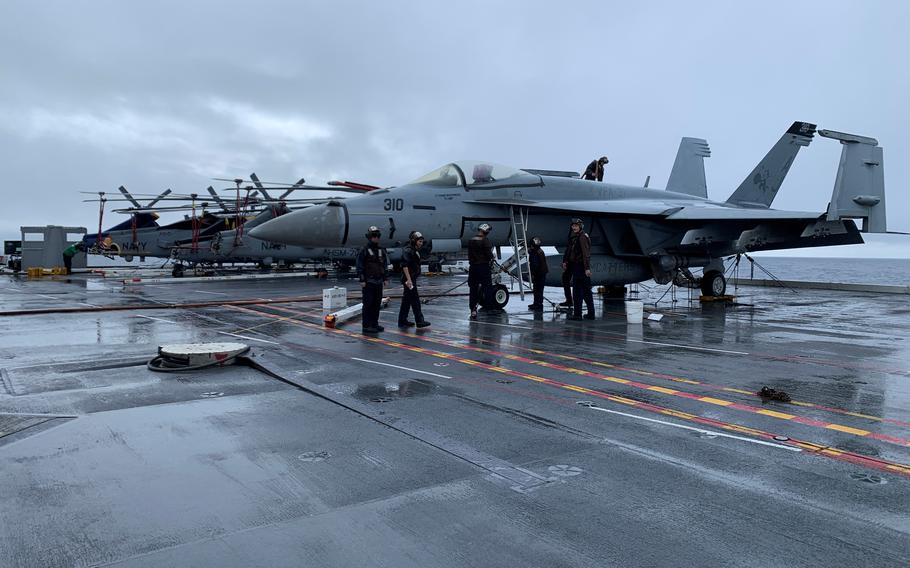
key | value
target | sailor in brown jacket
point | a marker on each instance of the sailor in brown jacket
(577, 260)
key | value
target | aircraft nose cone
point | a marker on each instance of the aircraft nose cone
(317, 226)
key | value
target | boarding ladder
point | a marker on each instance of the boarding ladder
(519, 240)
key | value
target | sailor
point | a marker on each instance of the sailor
(595, 170)
(68, 254)
(410, 271)
(539, 269)
(567, 289)
(577, 260)
(372, 269)
(480, 278)
(567, 283)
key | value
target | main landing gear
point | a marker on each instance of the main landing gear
(713, 283)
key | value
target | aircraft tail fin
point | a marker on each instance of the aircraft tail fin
(761, 186)
(859, 188)
(688, 173)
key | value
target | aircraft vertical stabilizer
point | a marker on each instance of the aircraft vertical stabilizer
(761, 186)
(688, 173)
(859, 189)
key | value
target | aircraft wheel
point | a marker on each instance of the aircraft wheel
(713, 283)
(128, 257)
(177, 272)
(500, 296)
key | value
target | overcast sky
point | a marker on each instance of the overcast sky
(170, 94)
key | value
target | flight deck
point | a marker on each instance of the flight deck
(516, 439)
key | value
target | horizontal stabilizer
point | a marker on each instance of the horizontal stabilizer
(859, 188)
(761, 186)
(688, 174)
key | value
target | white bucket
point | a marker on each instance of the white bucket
(334, 298)
(634, 311)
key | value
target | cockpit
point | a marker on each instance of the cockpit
(472, 174)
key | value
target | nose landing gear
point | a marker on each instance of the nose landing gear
(500, 296)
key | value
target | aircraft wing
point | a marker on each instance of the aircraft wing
(617, 207)
(726, 214)
(642, 207)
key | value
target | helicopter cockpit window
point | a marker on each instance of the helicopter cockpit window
(447, 176)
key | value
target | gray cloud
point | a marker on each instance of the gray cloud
(170, 94)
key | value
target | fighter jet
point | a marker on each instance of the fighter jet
(637, 233)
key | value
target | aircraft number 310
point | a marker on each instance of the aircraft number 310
(396, 204)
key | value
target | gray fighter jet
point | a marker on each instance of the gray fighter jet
(637, 233)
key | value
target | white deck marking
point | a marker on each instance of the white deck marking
(699, 430)
(687, 346)
(213, 293)
(247, 337)
(481, 322)
(156, 319)
(402, 368)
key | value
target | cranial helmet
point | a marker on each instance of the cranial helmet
(536, 241)
(416, 235)
(373, 231)
(577, 221)
(485, 227)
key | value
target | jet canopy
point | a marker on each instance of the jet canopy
(473, 174)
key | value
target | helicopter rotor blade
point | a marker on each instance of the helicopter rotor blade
(161, 196)
(217, 199)
(259, 185)
(128, 197)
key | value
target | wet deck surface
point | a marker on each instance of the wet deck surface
(515, 440)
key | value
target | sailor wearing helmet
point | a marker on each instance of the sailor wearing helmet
(372, 269)
(480, 277)
(577, 260)
(410, 271)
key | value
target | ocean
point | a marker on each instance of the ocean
(891, 271)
